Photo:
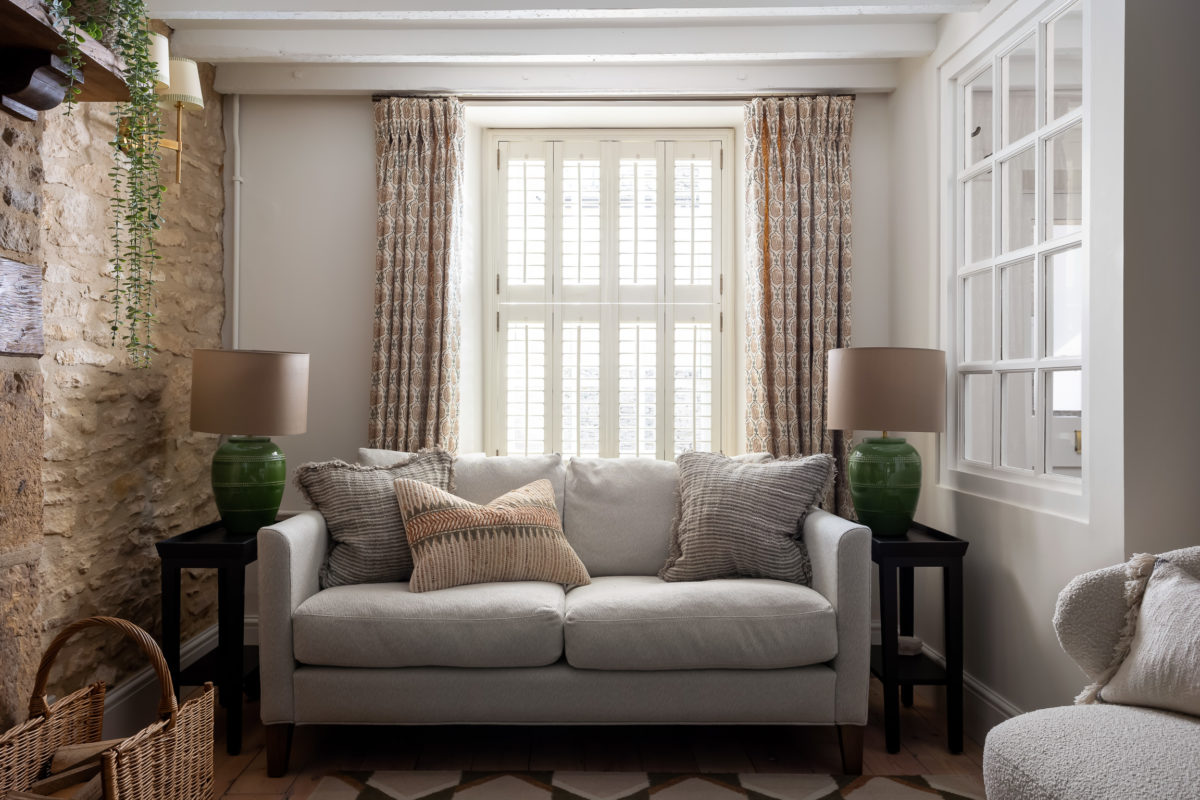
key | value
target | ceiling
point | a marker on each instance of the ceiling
(546, 48)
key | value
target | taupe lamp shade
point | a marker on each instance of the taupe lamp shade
(249, 392)
(184, 85)
(886, 389)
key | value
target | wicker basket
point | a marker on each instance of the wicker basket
(171, 759)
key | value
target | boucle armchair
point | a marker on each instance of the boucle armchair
(1099, 751)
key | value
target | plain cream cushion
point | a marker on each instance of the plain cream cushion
(517, 624)
(644, 623)
(1162, 669)
(619, 512)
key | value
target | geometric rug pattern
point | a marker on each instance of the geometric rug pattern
(563, 785)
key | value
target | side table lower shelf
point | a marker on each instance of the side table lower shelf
(918, 670)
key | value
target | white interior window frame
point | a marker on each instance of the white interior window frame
(1056, 494)
(727, 431)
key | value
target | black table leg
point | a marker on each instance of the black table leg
(170, 618)
(891, 656)
(906, 624)
(952, 591)
(231, 612)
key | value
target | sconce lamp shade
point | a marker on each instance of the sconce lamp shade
(185, 85)
(249, 392)
(160, 51)
(887, 389)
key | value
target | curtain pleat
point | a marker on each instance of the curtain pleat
(798, 220)
(415, 357)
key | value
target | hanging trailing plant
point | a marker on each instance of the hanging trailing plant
(137, 194)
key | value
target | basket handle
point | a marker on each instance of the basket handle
(167, 705)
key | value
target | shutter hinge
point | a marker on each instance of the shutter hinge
(497, 322)
(497, 283)
(721, 152)
(721, 329)
(722, 284)
(497, 158)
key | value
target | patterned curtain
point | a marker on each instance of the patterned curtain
(798, 273)
(415, 361)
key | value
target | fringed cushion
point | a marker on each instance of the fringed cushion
(1156, 662)
(516, 537)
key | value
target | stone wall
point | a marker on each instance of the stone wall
(20, 431)
(120, 468)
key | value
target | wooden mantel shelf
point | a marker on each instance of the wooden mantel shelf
(29, 66)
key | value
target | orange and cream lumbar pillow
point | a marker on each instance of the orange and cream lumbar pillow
(516, 537)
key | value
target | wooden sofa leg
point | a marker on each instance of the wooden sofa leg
(850, 739)
(279, 747)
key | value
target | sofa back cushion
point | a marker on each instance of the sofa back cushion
(481, 478)
(619, 512)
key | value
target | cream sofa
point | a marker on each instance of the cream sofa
(626, 649)
(1097, 751)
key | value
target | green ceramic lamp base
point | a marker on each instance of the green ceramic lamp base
(248, 475)
(885, 483)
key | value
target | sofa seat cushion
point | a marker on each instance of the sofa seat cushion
(644, 623)
(1093, 752)
(516, 624)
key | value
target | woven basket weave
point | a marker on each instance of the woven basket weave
(172, 759)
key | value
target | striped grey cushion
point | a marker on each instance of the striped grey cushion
(359, 506)
(739, 519)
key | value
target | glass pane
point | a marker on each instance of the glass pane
(1018, 421)
(1064, 304)
(1064, 72)
(977, 317)
(637, 390)
(1064, 183)
(1019, 203)
(526, 388)
(977, 217)
(977, 117)
(693, 222)
(1064, 423)
(1018, 323)
(977, 417)
(638, 221)
(693, 387)
(581, 389)
(581, 222)
(1019, 68)
(526, 222)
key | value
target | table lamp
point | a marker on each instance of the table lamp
(886, 389)
(251, 395)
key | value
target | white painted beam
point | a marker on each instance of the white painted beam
(577, 81)
(574, 45)
(179, 12)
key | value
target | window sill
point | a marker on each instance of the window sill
(1045, 494)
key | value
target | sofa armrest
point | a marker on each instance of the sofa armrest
(840, 551)
(290, 553)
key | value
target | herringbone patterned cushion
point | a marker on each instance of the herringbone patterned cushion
(516, 537)
(359, 506)
(739, 519)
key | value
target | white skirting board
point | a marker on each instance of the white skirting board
(983, 708)
(132, 704)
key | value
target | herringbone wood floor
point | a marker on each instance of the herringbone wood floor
(318, 751)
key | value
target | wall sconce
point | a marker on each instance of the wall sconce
(185, 92)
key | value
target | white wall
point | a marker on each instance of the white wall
(1019, 558)
(308, 258)
(308, 248)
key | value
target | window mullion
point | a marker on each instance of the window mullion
(554, 334)
(665, 153)
(609, 282)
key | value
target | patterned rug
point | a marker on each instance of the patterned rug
(430, 785)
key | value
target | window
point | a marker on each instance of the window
(1018, 286)
(606, 253)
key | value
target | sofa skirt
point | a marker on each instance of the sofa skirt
(560, 694)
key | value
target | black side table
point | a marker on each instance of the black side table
(230, 664)
(921, 547)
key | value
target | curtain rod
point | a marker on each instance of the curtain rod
(622, 98)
